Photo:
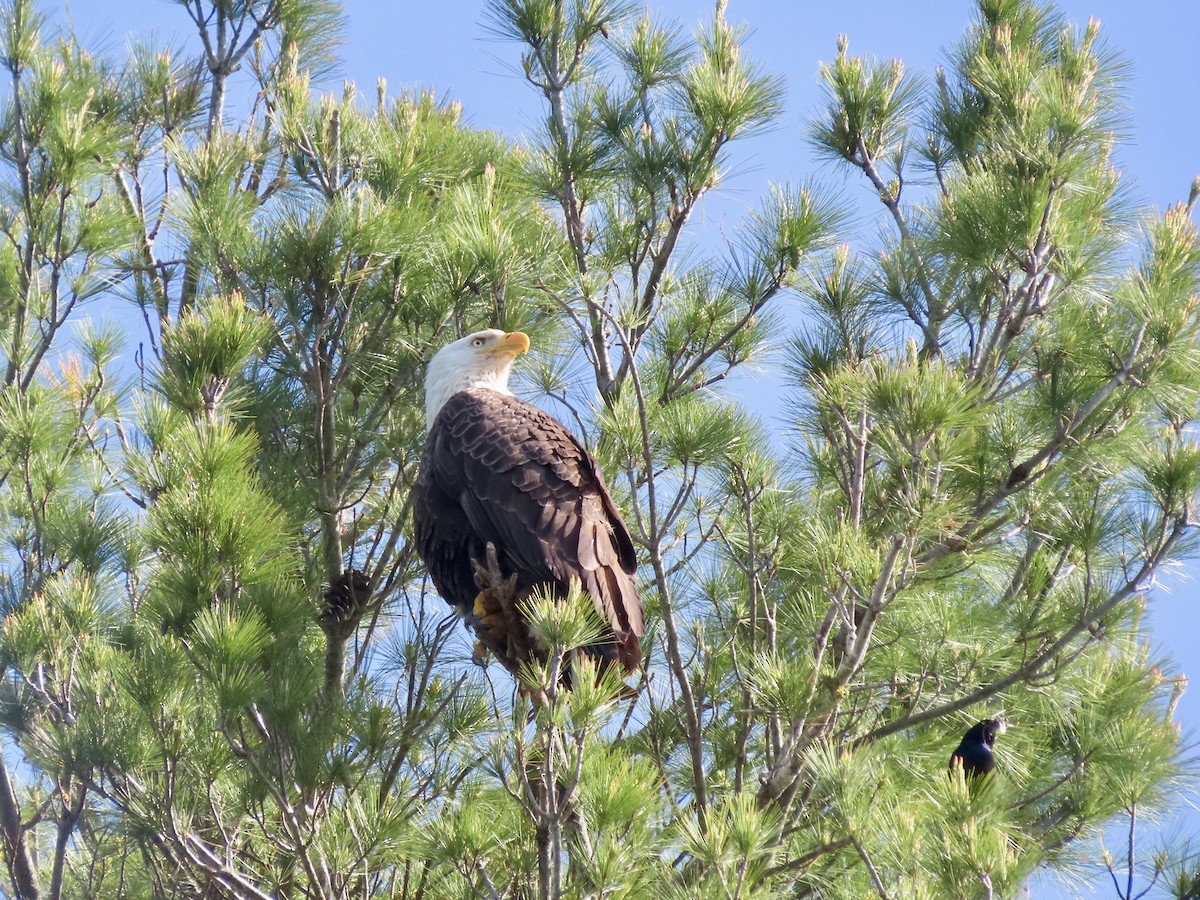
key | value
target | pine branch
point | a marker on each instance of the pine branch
(930, 324)
(16, 842)
(880, 888)
(1041, 660)
(673, 644)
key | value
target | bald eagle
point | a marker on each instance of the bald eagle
(499, 474)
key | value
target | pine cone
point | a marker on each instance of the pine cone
(345, 602)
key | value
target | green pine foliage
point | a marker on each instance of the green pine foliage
(225, 674)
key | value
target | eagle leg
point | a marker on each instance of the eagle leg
(488, 574)
(497, 594)
(498, 622)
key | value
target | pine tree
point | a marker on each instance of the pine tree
(225, 672)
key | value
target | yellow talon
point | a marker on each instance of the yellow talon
(486, 613)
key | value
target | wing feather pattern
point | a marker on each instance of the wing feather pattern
(500, 470)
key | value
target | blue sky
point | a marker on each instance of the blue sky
(447, 46)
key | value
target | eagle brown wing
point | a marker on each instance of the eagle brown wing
(497, 469)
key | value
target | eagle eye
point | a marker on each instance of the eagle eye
(478, 342)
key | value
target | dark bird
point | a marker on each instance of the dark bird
(974, 751)
(508, 501)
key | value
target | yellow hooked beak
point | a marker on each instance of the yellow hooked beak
(514, 344)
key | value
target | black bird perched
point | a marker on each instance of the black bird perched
(974, 752)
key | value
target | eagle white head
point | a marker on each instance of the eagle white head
(482, 359)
